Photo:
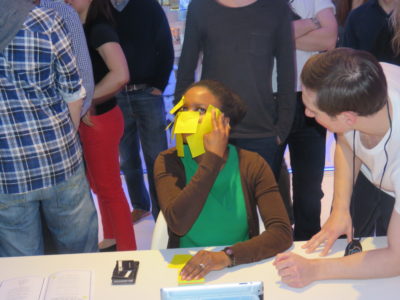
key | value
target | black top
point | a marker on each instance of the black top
(97, 35)
(367, 28)
(239, 46)
(145, 37)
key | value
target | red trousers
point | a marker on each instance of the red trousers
(100, 149)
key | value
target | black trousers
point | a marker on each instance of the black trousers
(370, 208)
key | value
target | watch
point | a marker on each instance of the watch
(229, 252)
(316, 22)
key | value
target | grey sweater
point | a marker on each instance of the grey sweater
(239, 46)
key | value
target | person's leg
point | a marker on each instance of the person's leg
(150, 113)
(100, 143)
(364, 207)
(307, 158)
(266, 148)
(20, 225)
(130, 160)
(71, 215)
(386, 205)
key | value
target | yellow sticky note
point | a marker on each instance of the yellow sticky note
(177, 106)
(196, 144)
(179, 145)
(187, 122)
(179, 260)
(194, 281)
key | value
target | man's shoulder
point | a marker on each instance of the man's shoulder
(41, 19)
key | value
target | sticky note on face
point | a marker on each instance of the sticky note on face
(187, 122)
(177, 106)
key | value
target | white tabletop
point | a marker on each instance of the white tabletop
(154, 274)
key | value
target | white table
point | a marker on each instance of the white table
(154, 274)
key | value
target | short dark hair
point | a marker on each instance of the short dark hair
(231, 104)
(346, 80)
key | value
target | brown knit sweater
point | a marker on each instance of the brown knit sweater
(181, 203)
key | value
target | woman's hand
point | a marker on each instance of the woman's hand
(217, 139)
(204, 262)
(86, 119)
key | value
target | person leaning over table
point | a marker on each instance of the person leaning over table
(212, 199)
(350, 93)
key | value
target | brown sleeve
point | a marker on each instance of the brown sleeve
(263, 192)
(181, 204)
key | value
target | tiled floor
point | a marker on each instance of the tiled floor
(144, 229)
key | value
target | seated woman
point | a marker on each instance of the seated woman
(212, 199)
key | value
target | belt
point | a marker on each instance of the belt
(133, 87)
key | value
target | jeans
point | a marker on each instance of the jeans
(267, 148)
(306, 142)
(68, 210)
(144, 117)
(100, 147)
(371, 208)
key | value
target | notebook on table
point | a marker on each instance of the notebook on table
(253, 290)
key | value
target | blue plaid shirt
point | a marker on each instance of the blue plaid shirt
(79, 46)
(39, 146)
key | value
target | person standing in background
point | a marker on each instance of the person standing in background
(102, 131)
(239, 41)
(40, 153)
(79, 47)
(315, 29)
(145, 38)
(368, 28)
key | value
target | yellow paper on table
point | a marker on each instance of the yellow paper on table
(187, 122)
(177, 106)
(194, 281)
(179, 260)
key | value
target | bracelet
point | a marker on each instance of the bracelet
(229, 252)
(316, 22)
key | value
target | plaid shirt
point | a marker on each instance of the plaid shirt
(39, 146)
(79, 46)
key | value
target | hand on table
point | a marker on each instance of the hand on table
(217, 140)
(203, 262)
(295, 270)
(338, 223)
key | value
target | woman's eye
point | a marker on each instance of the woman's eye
(183, 108)
(201, 110)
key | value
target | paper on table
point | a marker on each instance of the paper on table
(69, 285)
(62, 285)
(178, 262)
(22, 288)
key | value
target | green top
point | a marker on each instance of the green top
(223, 219)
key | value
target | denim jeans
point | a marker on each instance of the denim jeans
(371, 208)
(267, 148)
(306, 142)
(144, 117)
(68, 210)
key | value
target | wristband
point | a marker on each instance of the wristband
(229, 252)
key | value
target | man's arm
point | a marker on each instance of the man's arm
(189, 56)
(75, 108)
(323, 38)
(164, 49)
(285, 76)
(339, 222)
(297, 271)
